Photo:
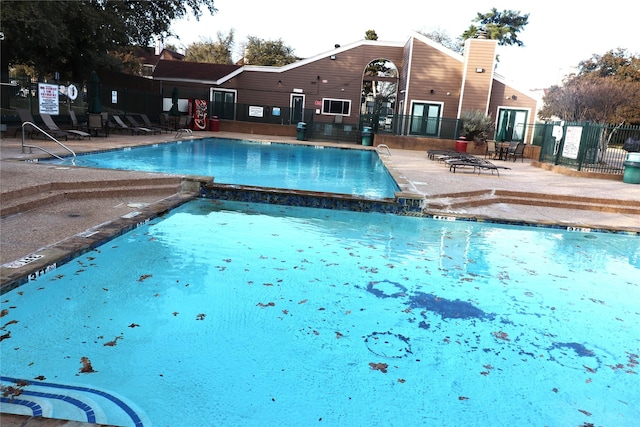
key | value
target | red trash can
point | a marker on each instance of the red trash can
(214, 124)
(461, 145)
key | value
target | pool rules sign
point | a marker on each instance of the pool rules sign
(48, 99)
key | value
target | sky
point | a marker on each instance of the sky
(558, 36)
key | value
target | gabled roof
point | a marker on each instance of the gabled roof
(192, 71)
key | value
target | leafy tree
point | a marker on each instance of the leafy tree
(441, 36)
(502, 26)
(74, 36)
(606, 90)
(618, 63)
(267, 52)
(370, 35)
(212, 52)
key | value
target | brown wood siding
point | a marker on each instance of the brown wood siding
(434, 70)
(325, 78)
(499, 94)
(477, 86)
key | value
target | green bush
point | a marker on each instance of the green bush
(476, 125)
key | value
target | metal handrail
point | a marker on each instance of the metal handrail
(378, 147)
(73, 160)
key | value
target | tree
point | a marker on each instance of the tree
(476, 125)
(370, 35)
(441, 36)
(502, 26)
(72, 37)
(212, 52)
(267, 52)
(606, 90)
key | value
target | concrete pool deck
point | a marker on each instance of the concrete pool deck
(54, 219)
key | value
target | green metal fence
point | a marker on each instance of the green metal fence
(585, 147)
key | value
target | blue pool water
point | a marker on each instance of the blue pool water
(275, 165)
(228, 314)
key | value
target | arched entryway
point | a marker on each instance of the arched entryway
(379, 94)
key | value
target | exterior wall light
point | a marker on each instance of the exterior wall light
(479, 70)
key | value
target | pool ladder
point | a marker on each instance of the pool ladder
(378, 147)
(31, 147)
(179, 133)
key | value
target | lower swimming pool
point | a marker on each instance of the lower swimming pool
(226, 314)
(275, 165)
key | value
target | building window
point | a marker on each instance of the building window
(336, 106)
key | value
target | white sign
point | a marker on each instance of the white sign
(114, 96)
(572, 142)
(256, 111)
(48, 99)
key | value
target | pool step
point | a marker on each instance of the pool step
(38, 196)
(454, 201)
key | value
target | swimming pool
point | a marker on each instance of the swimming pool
(226, 313)
(272, 165)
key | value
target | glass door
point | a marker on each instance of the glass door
(425, 119)
(223, 104)
(511, 125)
(297, 107)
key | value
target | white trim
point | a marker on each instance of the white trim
(343, 100)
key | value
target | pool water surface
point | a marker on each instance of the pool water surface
(264, 164)
(227, 314)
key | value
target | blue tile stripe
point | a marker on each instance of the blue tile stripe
(36, 410)
(88, 410)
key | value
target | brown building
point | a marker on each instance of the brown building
(417, 87)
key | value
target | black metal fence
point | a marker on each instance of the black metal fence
(585, 147)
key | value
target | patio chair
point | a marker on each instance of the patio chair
(518, 151)
(74, 121)
(150, 125)
(491, 150)
(122, 126)
(25, 116)
(136, 125)
(98, 123)
(57, 132)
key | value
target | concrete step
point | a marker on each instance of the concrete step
(454, 201)
(39, 196)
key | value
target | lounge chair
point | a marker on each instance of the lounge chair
(121, 126)
(518, 151)
(150, 125)
(136, 125)
(74, 121)
(57, 132)
(25, 116)
(473, 162)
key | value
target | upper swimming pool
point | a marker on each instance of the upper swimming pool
(263, 164)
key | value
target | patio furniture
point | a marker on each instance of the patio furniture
(136, 125)
(97, 123)
(149, 124)
(491, 150)
(122, 126)
(59, 133)
(517, 152)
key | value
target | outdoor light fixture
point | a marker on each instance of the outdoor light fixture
(479, 70)
(279, 82)
(432, 91)
(332, 57)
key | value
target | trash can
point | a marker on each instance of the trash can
(461, 145)
(301, 131)
(367, 135)
(214, 124)
(632, 169)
